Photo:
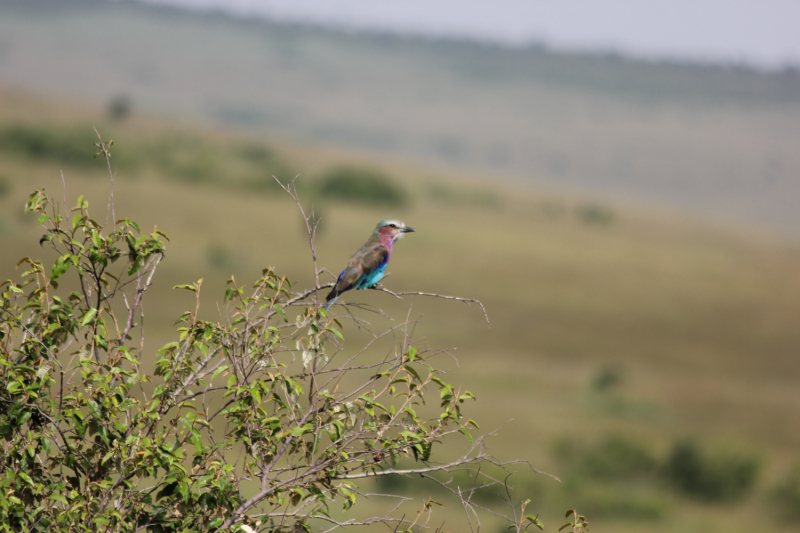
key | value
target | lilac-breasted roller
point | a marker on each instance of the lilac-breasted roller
(368, 265)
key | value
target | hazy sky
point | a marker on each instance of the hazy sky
(760, 32)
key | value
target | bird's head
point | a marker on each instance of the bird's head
(391, 229)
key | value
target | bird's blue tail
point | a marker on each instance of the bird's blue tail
(329, 303)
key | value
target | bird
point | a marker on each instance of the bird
(367, 266)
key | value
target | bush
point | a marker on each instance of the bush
(234, 419)
(257, 154)
(68, 147)
(606, 379)
(618, 458)
(249, 168)
(623, 503)
(120, 107)
(719, 477)
(614, 458)
(595, 214)
(785, 496)
(362, 186)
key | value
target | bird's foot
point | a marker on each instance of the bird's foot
(377, 286)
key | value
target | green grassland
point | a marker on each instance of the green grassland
(606, 319)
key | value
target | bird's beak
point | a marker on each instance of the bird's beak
(408, 230)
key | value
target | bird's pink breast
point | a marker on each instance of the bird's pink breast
(387, 239)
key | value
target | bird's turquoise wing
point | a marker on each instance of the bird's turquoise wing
(365, 268)
(367, 281)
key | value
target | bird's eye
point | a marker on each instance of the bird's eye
(392, 226)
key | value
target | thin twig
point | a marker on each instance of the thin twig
(104, 149)
(434, 295)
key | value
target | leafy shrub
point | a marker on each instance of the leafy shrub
(785, 496)
(362, 186)
(250, 168)
(618, 458)
(256, 420)
(614, 458)
(622, 502)
(120, 107)
(68, 147)
(256, 153)
(191, 162)
(160, 460)
(718, 477)
(611, 478)
(606, 379)
(595, 214)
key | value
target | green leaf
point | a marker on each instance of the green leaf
(411, 412)
(281, 312)
(58, 498)
(219, 371)
(466, 434)
(88, 316)
(137, 264)
(535, 520)
(60, 267)
(438, 381)
(301, 430)
(336, 332)
(187, 287)
(413, 372)
(130, 223)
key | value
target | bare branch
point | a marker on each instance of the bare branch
(434, 295)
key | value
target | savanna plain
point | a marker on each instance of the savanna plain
(618, 336)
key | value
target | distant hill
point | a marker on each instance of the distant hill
(720, 141)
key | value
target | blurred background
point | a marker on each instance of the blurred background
(617, 181)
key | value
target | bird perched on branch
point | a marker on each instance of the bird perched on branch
(368, 265)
